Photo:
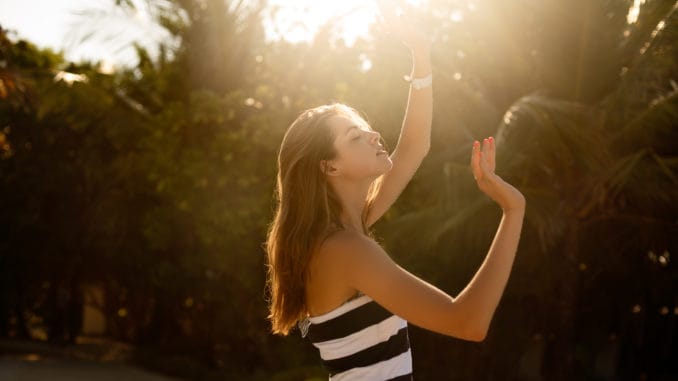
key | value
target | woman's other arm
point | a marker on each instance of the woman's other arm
(368, 268)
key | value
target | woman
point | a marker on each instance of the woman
(326, 273)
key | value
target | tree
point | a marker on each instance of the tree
(573, 148)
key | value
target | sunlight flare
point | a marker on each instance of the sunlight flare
(634, 11)
(299, 20)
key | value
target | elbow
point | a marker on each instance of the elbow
(474, 334)
(478, 332)
(422, 152)
(464, 324)
(475, 331)
(426, 149)
(477, 336)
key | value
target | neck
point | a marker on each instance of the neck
(352, 196)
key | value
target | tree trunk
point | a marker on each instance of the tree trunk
(162, 329)
(559, 359)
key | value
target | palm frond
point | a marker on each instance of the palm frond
(654, 127)
(543, 216)
(640, 182)
(640, 48)
(650, 72)
(542, 139)
(667, 168)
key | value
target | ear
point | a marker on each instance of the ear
(328, 168)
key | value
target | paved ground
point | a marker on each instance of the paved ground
(92, 360)
(35, 368)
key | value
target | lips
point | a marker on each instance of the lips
(382, 152)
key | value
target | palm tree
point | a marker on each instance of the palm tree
(594, 148)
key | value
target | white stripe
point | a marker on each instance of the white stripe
(365, 338)
(382, 370)
(352, 304)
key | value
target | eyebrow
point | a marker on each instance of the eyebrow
(350, 128)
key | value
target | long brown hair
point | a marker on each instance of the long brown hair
(307, 211)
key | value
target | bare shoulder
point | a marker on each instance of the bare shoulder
(350, 257)
(343, 240)
(362, 264)
(345, 248)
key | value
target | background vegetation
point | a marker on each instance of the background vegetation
(154, 183)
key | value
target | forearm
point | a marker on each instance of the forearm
(480, 298)
(415, 135)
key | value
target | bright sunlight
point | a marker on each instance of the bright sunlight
(299, 20)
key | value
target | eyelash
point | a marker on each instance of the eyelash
(356, 138)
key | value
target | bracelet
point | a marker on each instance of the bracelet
(421, 83)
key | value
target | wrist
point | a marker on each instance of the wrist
(419, 83)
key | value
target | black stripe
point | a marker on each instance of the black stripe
(350, 322)
(404, 377)
(395, 345)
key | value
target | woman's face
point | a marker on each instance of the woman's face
(360, 154)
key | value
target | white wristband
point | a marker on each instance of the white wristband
(420, 83)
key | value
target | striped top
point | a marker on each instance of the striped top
(361, 340)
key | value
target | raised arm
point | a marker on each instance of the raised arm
(366, 267)
(415, 135)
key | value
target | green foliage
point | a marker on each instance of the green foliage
(155, 183)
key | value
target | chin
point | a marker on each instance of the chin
(387, 167)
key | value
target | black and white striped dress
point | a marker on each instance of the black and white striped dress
(361, 340)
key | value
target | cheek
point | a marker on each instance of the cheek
(356, 163)
(361, 160)
(364, 151)
(367, 153)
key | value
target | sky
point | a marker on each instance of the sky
(61, 25)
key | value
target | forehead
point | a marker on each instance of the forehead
(342, 123)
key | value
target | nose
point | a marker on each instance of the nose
(375, 137)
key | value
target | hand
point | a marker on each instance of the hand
(482, 164)
(401, 27)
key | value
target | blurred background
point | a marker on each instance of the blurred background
(138, 144)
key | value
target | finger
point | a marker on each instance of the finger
(475, 160)
(482, 163)
(493, 154)
(486, 151)
(484, 155)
